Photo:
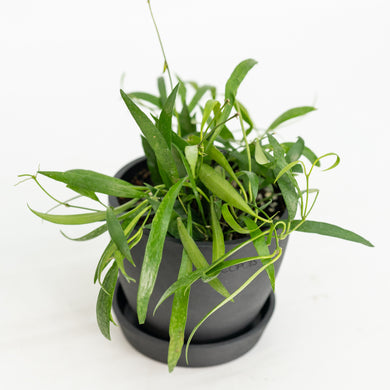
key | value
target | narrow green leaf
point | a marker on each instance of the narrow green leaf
(218, 239)
(197, 258)
(154, 137)
(162, 90)
(104, 301)
(290, 114)
(119, 259)
(236, 79)
(73, 219)
(308, 153)
(187, 126)
(286, 183)
(222, 188)
(128, 225)
(165, 120)
(147, 97)
(295, 151)
(228, 217)
(89, 236)
(261, 249)
(84, 192)
(260, 157)
(191, 153)
(209, 107)
(151, 162)
(286, 169)
(245, 116)
(178, 319)
(117, 234)
(154, 248)
(254, 182)
(91, 181)
(198, 95)
(328, 229)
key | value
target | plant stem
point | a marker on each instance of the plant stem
(166, 66)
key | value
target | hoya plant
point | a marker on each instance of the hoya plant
(212, 176)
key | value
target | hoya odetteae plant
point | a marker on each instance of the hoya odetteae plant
(212, 176)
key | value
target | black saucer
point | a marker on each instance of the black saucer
(199, 355)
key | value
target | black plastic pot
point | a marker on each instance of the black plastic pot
(228, 333)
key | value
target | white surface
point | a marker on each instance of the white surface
(60, 107)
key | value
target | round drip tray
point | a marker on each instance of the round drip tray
(199, 355)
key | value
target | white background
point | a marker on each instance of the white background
(60, 107)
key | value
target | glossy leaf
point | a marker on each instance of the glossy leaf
(71, 219)
(95, 182)
(89, 236)
(197, 258)
(147, 97)
(155, 139)
(191, 153)
(286, 169)
(222, 188)
(218, 239)
(260, 157)
(228, 217)
(165, 120)
(308, 153)
(154, 248)
(236, 79)
(162, 89)
(327, 229)
(84, 192)
(117, 234)
(290, 114)
(178, 319)
(295, 151)
(262, 250)
(209, 107)
(198, 95)
(286, 182)
(104, 301)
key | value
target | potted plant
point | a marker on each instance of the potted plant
(199, 225)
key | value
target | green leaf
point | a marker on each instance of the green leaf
(186, 124)
(73, 219)
(290, 114)
(328, 229)
(95, 182)
(107, 255)
(286, 183)
(155, 139)
(260, 157)
(191, 153)
(286, 169)
(162, 90)
(198, 95)
(84, 192)
(261, 249)
(308, 153)
(218, 239)
(228, 217)
(254, 182)
(245, 116)
(89, 236)
(104, 301)
(147, 97)
(151, 162)
(295, 151)
(222, 188)
(165, 120)
(197, 258)
(236, 79)
(117, 234)
(209, 107)
(178, 319)
(154, 248)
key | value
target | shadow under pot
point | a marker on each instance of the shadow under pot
(227, 334)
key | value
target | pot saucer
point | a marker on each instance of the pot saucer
(199, 355)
